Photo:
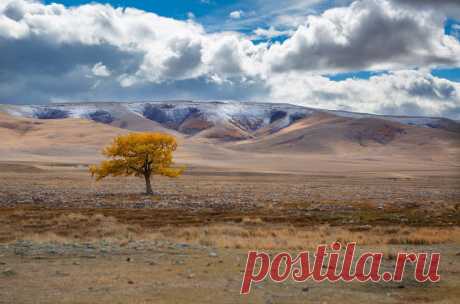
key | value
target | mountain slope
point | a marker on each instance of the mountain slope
(243, 138)
(238, 126)
(25, 138)
(323, 133)
(247, 119)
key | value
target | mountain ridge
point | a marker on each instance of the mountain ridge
(234, 136)
(239, 120)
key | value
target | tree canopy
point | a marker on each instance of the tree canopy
(139, 154)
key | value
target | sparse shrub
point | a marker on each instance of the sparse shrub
(392, 230)
(409, 241)
(252, 221)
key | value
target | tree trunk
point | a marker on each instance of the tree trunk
(148, 186)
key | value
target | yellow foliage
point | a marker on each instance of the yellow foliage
(139, 154)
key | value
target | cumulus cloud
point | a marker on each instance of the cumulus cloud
(407, 92)
(128, 31)
(271, 32)
(236, 14)
(48, 51)
(429, 3)
(100, 70)
(190, 15)
(366, 35)
(450, 8)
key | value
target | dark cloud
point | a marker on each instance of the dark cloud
(13, 11)
(450, 8)
(76, 86)
(36, 55)
(187, 58)
(429, 89)
(226, 60)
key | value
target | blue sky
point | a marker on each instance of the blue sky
(376, 56)
(213, 14)
(177, 9)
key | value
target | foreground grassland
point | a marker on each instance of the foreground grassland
(66, 239)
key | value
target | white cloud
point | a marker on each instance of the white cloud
(271, 32)
(100, 70)
(367, 34)
(266, 13)
(402, 92)
(236, 14)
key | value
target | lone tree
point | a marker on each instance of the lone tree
(139, 154)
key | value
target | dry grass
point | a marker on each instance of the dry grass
(425, 236)
(264, 237)
(251, 232)
(70, 227)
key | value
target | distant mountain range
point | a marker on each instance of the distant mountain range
(232, 134)
(225, 120)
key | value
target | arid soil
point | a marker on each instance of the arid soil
(155, 272)
(66, 239)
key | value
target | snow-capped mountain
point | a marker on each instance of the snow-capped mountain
(236, 120)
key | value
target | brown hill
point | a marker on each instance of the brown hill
(25, 138)
(321, 143)
(324, 133)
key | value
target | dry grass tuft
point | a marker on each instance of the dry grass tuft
(266, 237)
(250, 233)
(425, 236)
(69, 227)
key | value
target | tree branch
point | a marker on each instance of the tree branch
(136, 169)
